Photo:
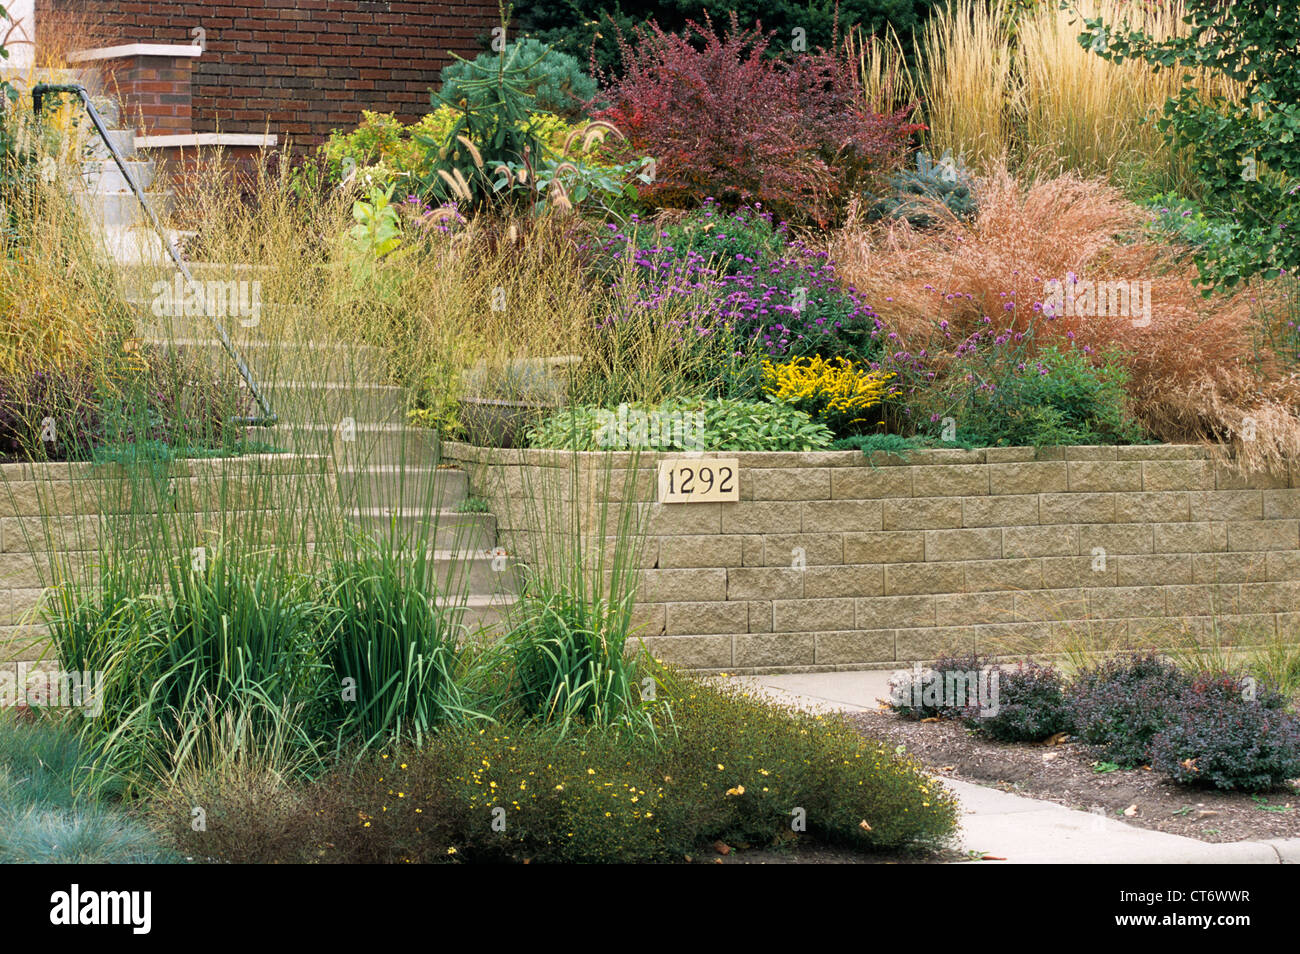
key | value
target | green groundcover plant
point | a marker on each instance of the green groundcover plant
(1059, 397)
(684, 424)
(45, 816)
(727, 767)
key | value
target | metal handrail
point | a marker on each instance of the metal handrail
(39, 92)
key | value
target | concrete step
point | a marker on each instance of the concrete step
(443, 529)
(325, 362)
(469, 572)
(123, 139)
(486, 616)
(136, 246)
(482, 572)
(103, 175)
(311, 402)
(122, 209)
(409, 489)
(138, 280)
(357, 444)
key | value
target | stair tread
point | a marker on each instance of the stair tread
(410, 512)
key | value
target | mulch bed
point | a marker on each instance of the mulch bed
(1064, 773)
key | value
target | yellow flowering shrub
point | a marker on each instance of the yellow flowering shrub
(836, 391)
(726, 766)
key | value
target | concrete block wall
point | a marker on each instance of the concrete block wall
(830, 560)
(60, 512)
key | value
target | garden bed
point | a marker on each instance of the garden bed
(1066, 773)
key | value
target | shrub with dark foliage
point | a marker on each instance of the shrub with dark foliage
(151, 396)
(49, 415)
(1226, 736)
(689, 101)
(949, 671)
(1030, 705)
(1124, 702)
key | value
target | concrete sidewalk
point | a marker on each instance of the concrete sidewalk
(1027, 830)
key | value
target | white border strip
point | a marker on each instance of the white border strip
(205, 139)
(135, 49)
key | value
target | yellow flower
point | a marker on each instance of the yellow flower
(833, 388)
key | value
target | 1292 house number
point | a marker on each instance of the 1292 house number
(699, 480)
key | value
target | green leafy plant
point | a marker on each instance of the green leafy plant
(712, 423)
(569, 635)
(1059, 397)
(1242, 150)
(1184, 222)
(392, 647)
(726, 766)
(378, 229)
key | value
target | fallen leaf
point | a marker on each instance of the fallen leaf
(931, 719)
(1130, 811)
(863, 825)
(722, 848)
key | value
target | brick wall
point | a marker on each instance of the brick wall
(993, 550)
(158, 90)
(301, 67)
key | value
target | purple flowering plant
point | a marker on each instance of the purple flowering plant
(745, 277)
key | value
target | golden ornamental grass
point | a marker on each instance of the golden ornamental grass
(1040, 100)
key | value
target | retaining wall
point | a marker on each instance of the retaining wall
(61, 512)
(830, 560)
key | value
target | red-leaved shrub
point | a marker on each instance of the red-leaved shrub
(721, 119)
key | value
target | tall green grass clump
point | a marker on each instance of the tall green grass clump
(571, 633)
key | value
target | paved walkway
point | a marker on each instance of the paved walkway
(1029, 830)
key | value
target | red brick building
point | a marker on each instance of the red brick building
(243, 68)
